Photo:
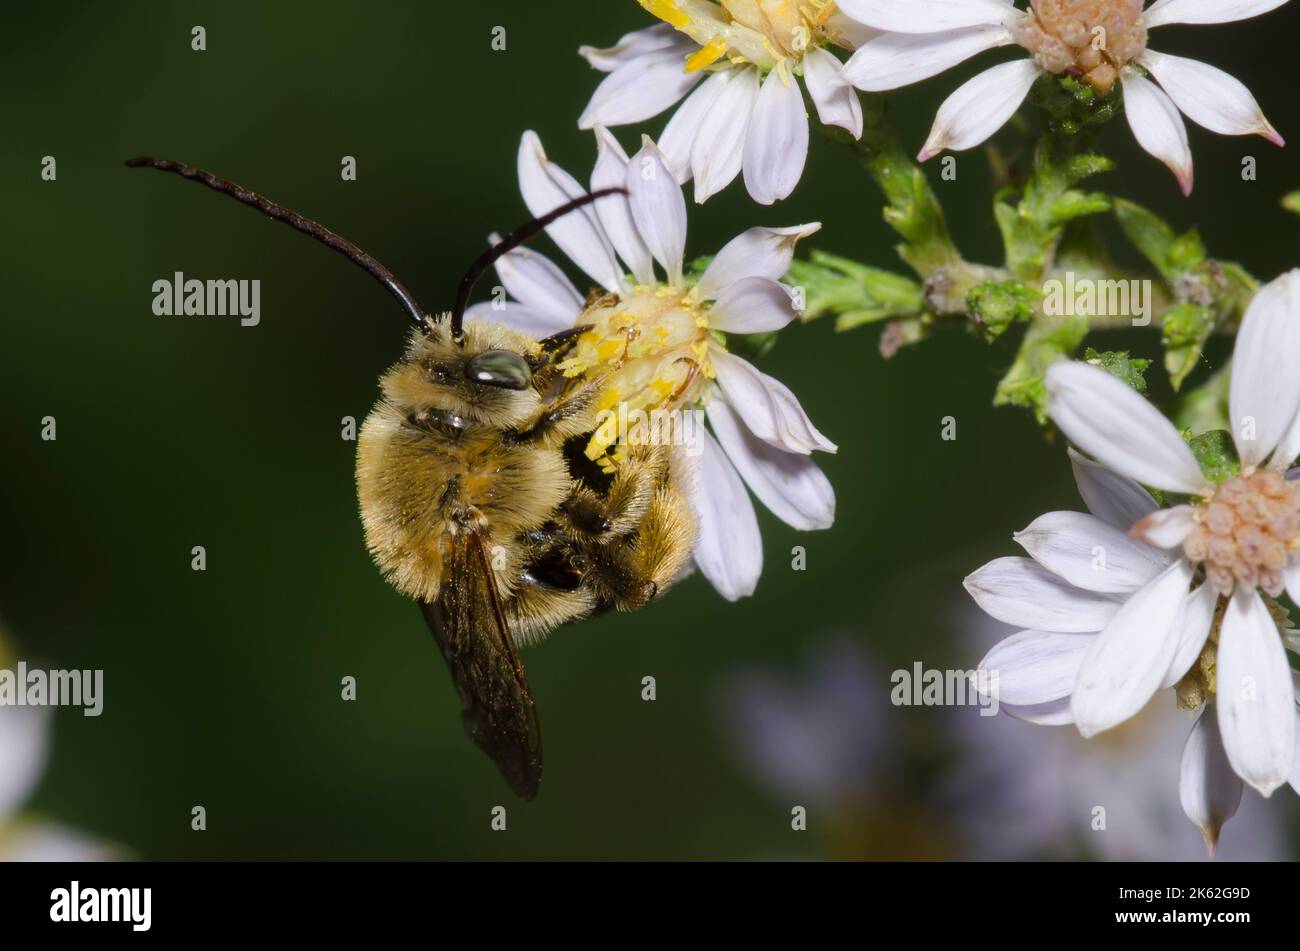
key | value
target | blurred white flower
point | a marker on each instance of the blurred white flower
(656, 336)
(1111, 604)
(24, 750)
(1101, 41)
(825, 739)
(748, 112)
(1025, 792)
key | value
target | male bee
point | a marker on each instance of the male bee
(479, 502)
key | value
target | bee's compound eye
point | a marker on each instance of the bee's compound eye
(501, 368)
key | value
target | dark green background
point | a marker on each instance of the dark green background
(222, 687)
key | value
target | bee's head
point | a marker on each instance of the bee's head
(483, 377)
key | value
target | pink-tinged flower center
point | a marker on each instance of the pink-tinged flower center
(1094, 39)
(1247, 532)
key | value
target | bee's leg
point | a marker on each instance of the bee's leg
(618, 512)
(638, 568)
(568, 416)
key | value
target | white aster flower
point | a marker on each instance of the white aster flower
(1021, 791)
(24, 751)
(748, 112)
(658, 339)
(1100, 41)
(1135, 597)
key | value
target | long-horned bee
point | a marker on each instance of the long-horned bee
(479, 502)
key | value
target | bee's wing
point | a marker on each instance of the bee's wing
(470, 627)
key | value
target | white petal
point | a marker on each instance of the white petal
(1166, 528)
(729, 549)
(658, 208)
(767, 406)
(1129, 661)
(790, 485)
(900, 59)
(1254, 693)
(776, 145)
(980, 107)
(536, 282)
(1193, 626)
(1024, 594)
(847, 32)
(1264, 393)
(1035, 667)
(927, 16)
(632, 45)
(1157, 126)
(1051, 713)
(719, 149)
(1207, 787)
(639, 89)
(1288, 448)
(759, 252)
(535, 323)
(1163, 12)
(837, 104)
(1113, 498)
(545, 186)
(1090, 554)
(1110, 421)
(1209, 97)
(24, 749)
(684, 127)
(752, 305)
(616, 214)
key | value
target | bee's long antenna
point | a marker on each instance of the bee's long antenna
(511, 241)
(293, 220)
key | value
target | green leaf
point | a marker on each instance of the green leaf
(1169, 253)
(1186, 252)
(1216, 454)
(1046, 341)
(1186, 329)
(1075, 204)
(1032, 220)
(857, 293)
(1119, 364)
(1205, 407)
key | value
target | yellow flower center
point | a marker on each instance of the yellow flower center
(1093, 38)
(765, 33)
(1247, 532)
(652, 350)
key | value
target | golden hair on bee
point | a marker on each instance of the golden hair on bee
(478, 497)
